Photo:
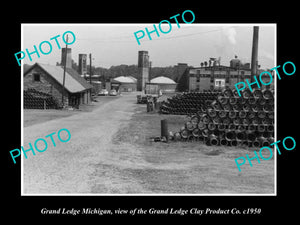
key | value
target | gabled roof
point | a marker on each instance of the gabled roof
(77, 77)
(73, 82)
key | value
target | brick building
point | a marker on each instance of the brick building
(48, 79)
(215, 76)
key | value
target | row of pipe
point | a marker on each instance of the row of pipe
(219, 124)
(188, 103)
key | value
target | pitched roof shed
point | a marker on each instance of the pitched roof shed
(73, 82)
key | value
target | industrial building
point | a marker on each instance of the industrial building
(162, 84)
(124, 84)
(213, 76)
(48, 79)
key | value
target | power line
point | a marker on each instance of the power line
(131, 36)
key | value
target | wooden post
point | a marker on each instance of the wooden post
(64, 75)
(164, 129)
(90, 68)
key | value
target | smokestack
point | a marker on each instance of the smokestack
(82, 64)
(69, 57)
(143, 70)
(254, 61)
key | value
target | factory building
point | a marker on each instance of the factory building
(123, 84)
(161, 84)
(213, 76)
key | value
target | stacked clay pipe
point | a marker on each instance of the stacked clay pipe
(232, 120)
(188, 103)
(38, 100)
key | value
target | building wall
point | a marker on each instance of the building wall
(204, 78)
(46, 84)
(183, 81)
(97, 87)
(50, 86)
(180, 69)
(167, 88)
(121, 87)
(199, 84)
(127, 87)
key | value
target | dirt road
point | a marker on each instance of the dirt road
(69, 167)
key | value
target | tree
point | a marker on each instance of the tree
(205, 63)
(201, 64)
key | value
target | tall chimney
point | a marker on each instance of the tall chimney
(82, 64)
(254, 61)
(143, 70)
(69, 57)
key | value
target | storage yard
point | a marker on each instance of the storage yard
(122, 158)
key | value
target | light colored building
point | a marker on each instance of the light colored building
(123, 84)
(162, 84)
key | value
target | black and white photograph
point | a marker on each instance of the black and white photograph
(158, 117)
(139, 112)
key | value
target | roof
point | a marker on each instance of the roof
(123, 79)
(73, 82)
(133, 78)
(162, 80)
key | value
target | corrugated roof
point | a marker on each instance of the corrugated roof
(162, 80)
(123, 79)
(73, 82)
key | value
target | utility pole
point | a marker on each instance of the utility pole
(254, 61)
(90, 68)
(64, 76)
(150, 65)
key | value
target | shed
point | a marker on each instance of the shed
(48, 79)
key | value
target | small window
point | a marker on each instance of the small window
(36, 77)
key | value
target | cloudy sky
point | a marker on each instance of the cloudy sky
(115, 44)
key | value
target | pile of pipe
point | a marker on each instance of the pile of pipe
(232, 120)
(188, 103)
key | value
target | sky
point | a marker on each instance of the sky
(115, 44)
